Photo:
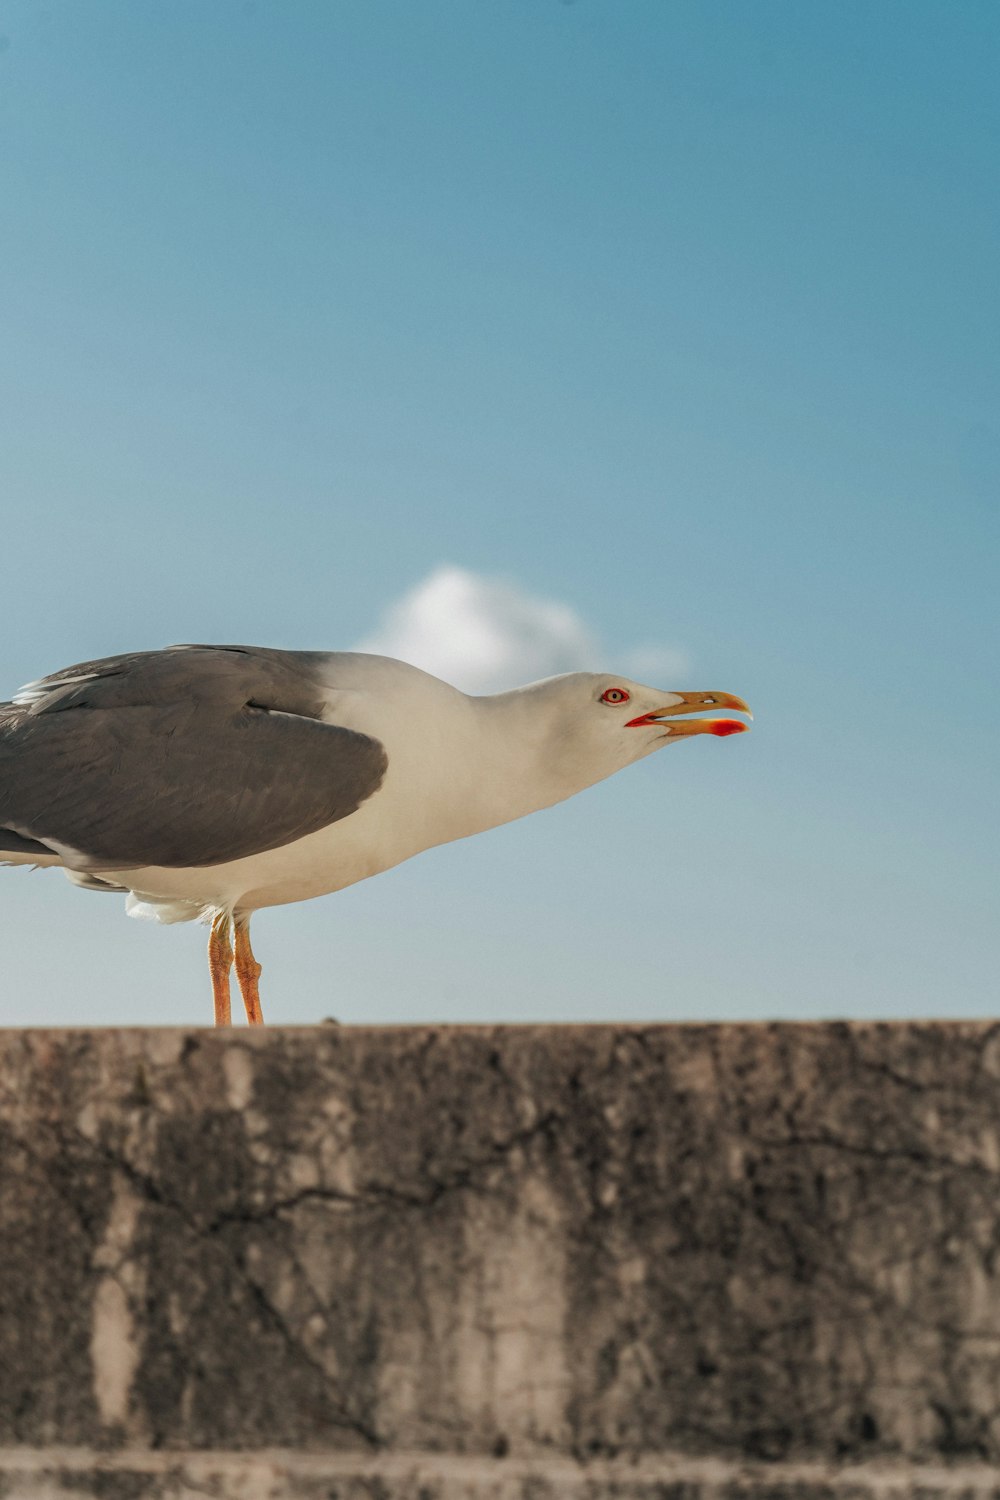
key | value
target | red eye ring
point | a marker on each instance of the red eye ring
(614, 695)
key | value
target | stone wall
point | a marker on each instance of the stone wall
(682, 1262)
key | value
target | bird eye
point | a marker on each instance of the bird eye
(614, 695)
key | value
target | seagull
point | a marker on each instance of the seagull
(206, 782)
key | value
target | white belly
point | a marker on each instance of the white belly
(398, 822)
(335, 857)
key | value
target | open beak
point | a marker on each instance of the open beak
(683, 703)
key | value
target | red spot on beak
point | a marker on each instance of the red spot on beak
(728, 726)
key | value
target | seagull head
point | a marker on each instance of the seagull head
(596, 723)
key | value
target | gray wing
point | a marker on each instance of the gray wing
(191, 756)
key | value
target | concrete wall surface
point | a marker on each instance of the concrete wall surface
(681, 1262)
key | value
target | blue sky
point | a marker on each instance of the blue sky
(680, 315)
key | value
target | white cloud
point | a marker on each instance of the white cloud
(485, 635)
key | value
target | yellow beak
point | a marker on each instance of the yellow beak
(683, 703)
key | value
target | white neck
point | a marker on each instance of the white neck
(458, 764)
(520, 762)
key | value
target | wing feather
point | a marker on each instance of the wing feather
(183, 757)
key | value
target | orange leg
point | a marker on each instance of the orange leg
(220, 960)
(248, 973)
